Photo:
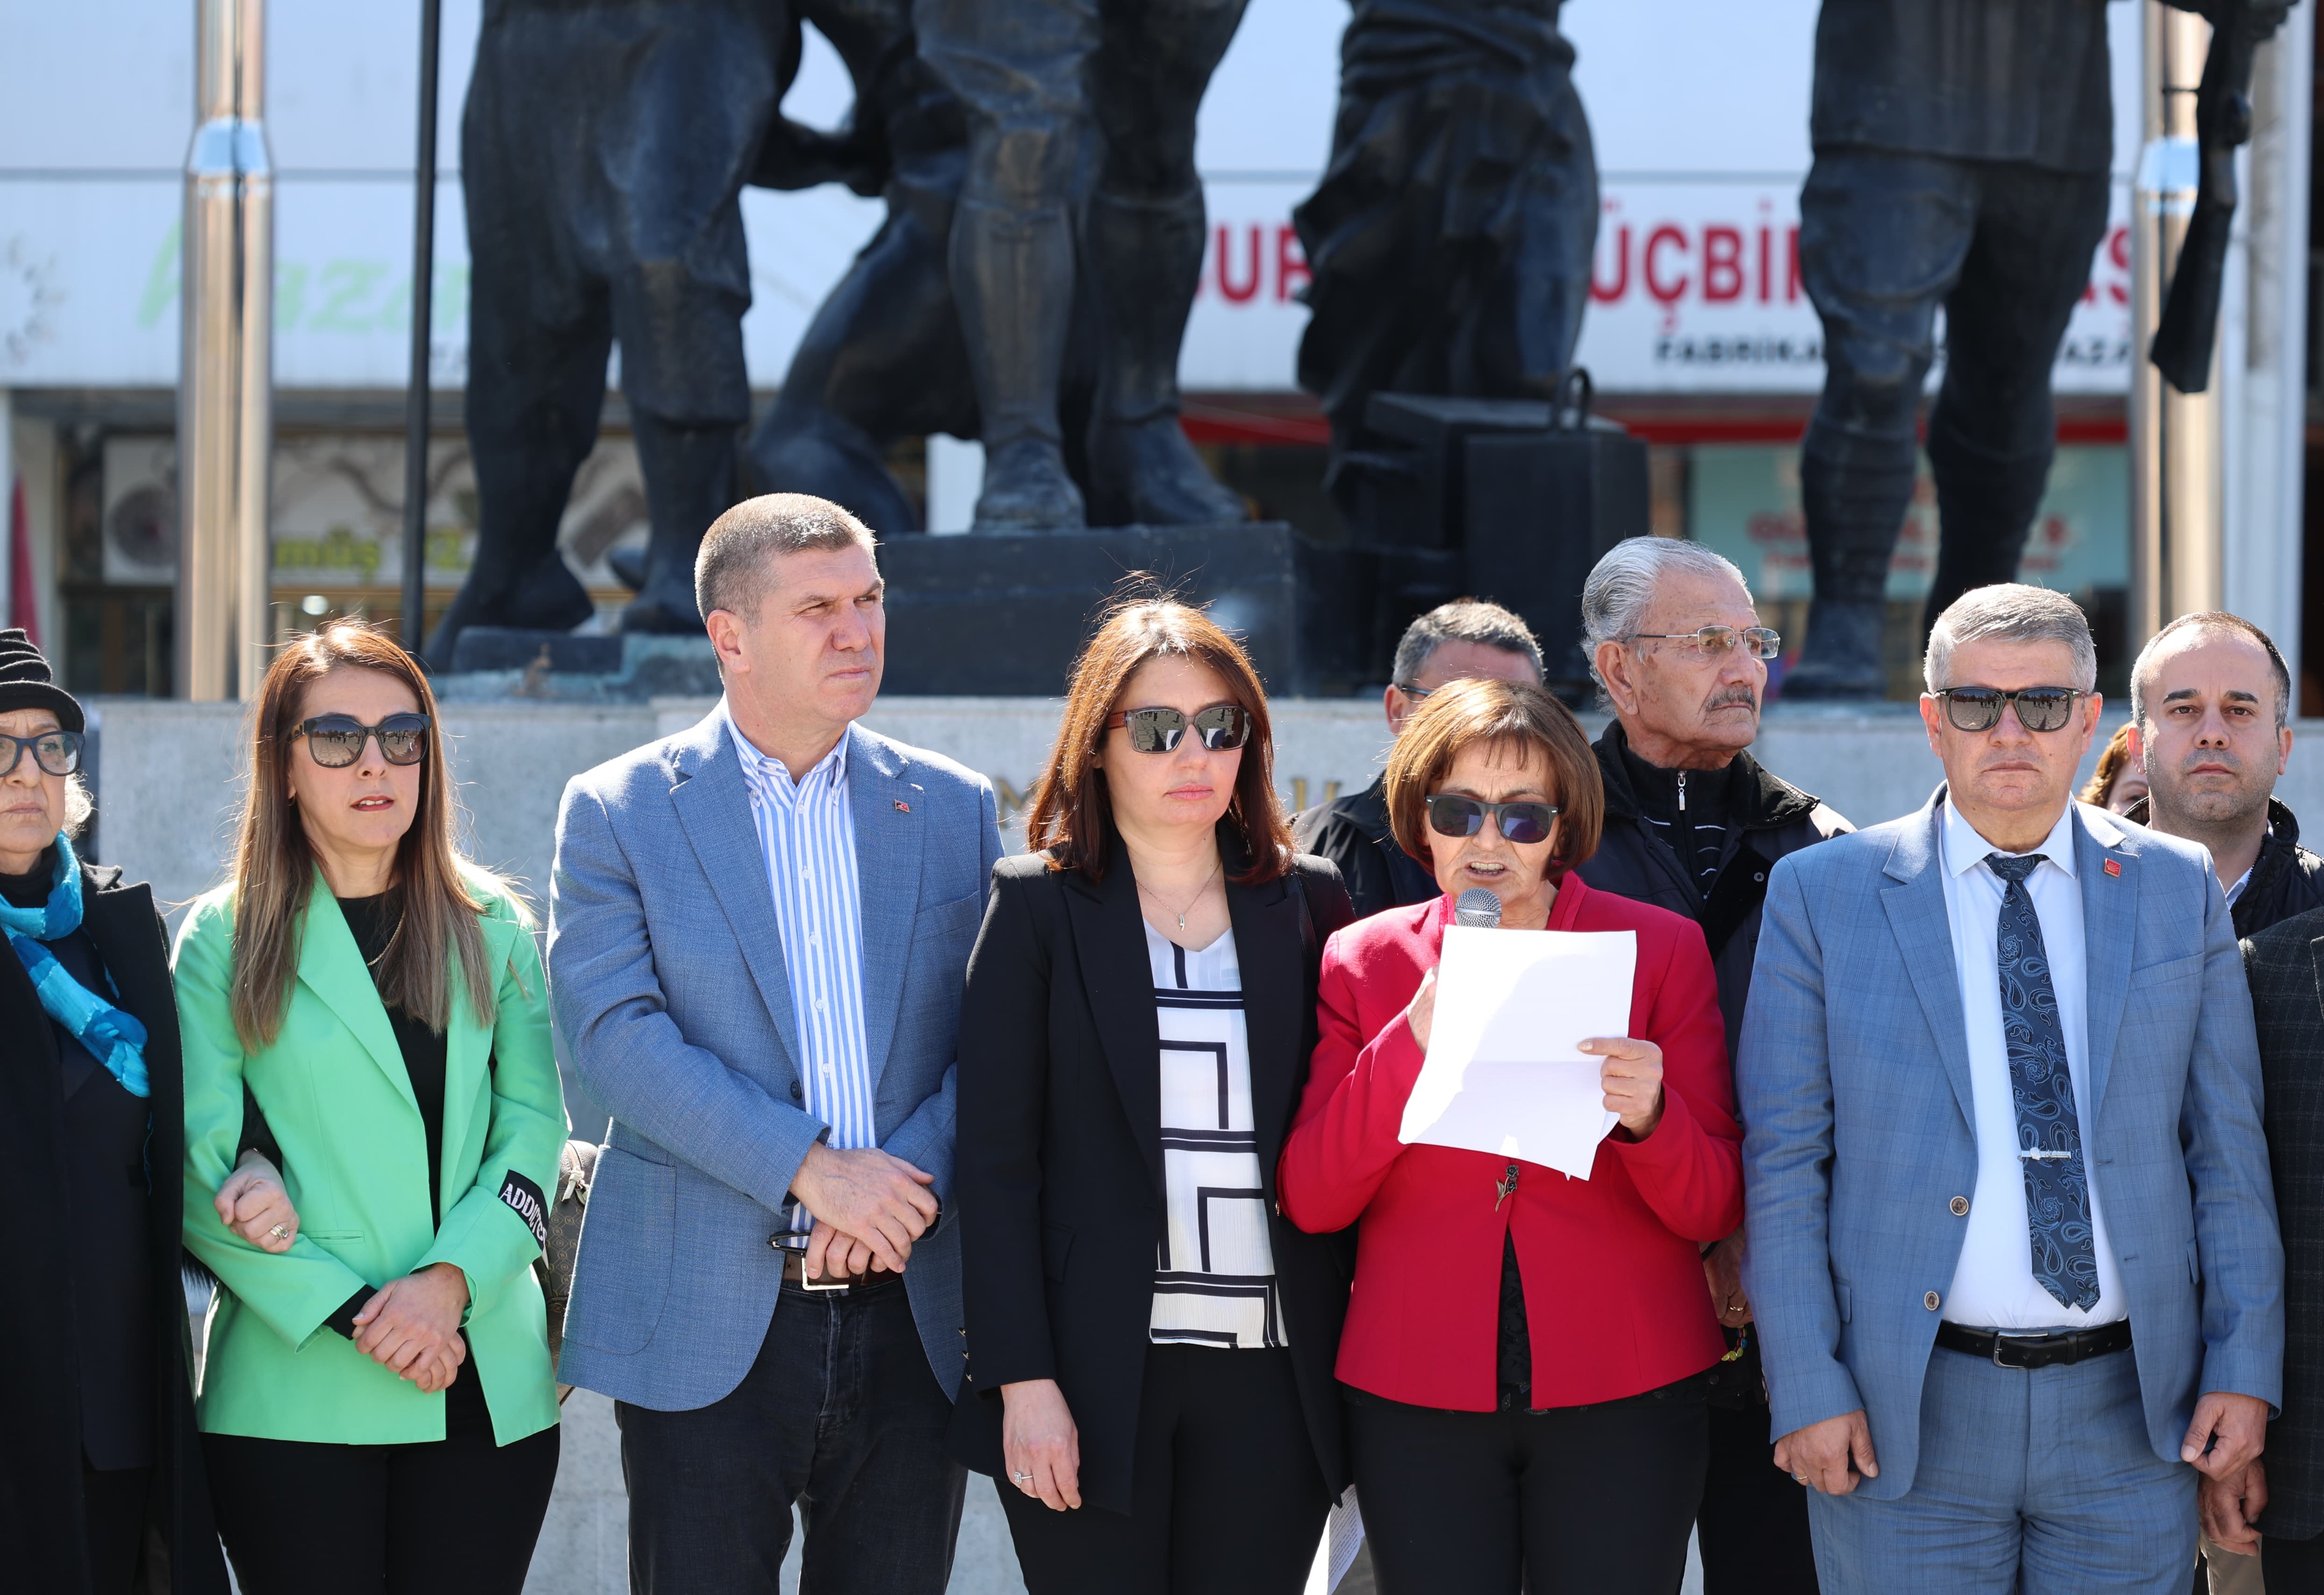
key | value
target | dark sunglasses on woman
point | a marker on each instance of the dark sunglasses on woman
(56, 752)
(1222, 727)
(337, 741)
(1978, 708)
(1523, 824)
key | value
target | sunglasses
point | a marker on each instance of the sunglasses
(337, 741)
(56, 752)
(1715, 641)
(1978, 708)
(1222, 727)
(1520, 823)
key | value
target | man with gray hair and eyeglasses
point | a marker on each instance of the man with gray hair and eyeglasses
(2209, 699)
(1454, 642)
(1693, 823)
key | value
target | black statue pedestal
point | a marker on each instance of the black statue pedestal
(992, 617)
(1005, 616)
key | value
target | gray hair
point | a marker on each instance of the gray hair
(2010, 611)
(735, 568)
(1621, 586)
(79, 806)
(1464, 620)
(2211, 620)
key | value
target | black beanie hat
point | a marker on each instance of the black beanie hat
(25, 682)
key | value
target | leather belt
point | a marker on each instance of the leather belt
(2005, 1349)
(795, 1273)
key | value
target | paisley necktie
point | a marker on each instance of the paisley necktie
(2049, 1134)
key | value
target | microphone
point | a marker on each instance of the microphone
(1479, 908)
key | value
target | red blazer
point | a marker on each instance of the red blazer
(1615, 1298)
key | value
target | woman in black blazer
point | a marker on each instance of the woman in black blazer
(1150, 1346)
(101, 1482)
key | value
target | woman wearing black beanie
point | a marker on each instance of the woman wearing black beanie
(101, 1480)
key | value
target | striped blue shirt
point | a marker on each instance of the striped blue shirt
(806, 834)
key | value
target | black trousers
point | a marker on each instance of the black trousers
(2291, 1567)
(1754, 1520)
(1226, 1497)
(1576, 1500)
(1885, 240)
(840, 1415)
(112, 1506)
(458, 1515)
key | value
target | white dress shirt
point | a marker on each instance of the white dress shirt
(1994, 1285)
(806, 834)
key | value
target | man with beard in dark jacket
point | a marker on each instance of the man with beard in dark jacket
(2209, 702)
(1693, 823)
(1451, 643)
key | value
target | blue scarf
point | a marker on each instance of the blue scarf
(115, 1038)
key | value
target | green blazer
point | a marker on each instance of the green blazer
(335, 1093)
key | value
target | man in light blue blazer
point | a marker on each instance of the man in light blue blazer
(759, 938)
(2011, 1239)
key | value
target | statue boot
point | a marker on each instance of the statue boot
(1145, 262)
(689, 472)
(1012, 275)
(1985, 505)
(1855, 506)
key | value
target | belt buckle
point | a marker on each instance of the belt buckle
(2000, 1339)
(826, 1284)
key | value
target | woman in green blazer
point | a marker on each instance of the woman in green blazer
(378, 1403)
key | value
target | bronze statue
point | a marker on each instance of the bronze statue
(1451, 236)
(1080, 116)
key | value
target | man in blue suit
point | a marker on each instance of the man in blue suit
(2011, 1238)
(759, 938)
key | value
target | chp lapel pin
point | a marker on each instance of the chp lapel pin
(2114, 868)
(902, 806)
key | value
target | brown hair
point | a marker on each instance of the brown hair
(1512, 714)
(735, 567)
(274, 867)
(1069, 811)
(2111, 764)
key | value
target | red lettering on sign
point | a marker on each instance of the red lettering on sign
(1668, 293)
(1792, 275)
(1249, 289)
(1767, 267)
(1290, 260)
(1605, 292)
(1723, 264)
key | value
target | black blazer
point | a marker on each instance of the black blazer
(1059, 1169)
(2286, 962)
(42, 1537)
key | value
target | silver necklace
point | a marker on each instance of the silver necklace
(1191, 902)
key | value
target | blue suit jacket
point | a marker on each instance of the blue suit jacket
(666, 975)
(1853, 1077)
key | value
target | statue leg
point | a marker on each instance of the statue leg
(1882, 240)
(1018, 71)
(1143, 237)
(539, 333)
(1994, 429)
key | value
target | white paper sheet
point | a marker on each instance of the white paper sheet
(1503, 1072)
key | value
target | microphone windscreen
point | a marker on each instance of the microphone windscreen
(1477, 908)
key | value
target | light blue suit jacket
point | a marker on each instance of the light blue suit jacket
(1853, 1077)
(666, 975)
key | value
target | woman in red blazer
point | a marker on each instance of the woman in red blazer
(1523, 1353)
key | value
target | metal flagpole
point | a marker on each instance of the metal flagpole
(413, 625)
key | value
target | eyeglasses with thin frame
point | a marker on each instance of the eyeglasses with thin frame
(55, 752)
(1716, 640)
(1221, 728)
(1978, 708)
(1522, 824)
(337, 741)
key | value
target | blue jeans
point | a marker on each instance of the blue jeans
(840, 1415)
(2040, 1481)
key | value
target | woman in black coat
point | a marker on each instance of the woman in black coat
(1150, 1344)
(101, 1484)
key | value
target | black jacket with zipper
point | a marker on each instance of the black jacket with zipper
(2286, 878)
